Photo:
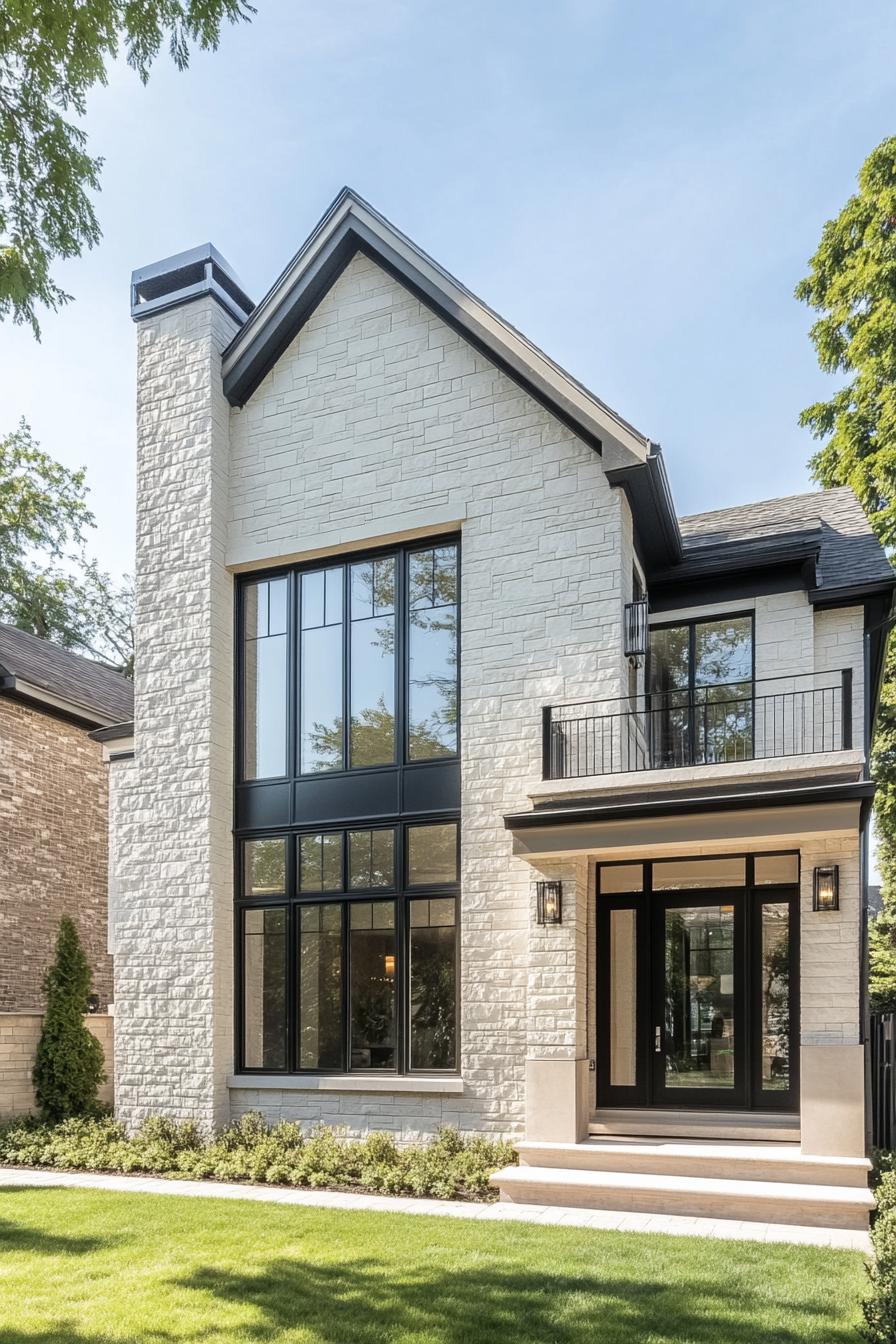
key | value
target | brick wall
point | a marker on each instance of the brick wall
(53, 850)
(19, 1034)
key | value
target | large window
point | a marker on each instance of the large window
(700, 691)
(349, 949)
(347, 792)
(361, 656)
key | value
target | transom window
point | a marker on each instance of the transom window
(361, 657)
(348, 954)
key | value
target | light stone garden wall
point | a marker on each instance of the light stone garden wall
(19, 1035)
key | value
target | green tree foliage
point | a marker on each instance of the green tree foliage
(68, 1067)
(48, 586)
(852, 286)
(51, 55)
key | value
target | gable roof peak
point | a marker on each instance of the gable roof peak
(351, 224)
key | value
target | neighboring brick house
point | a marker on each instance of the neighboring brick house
(53, 811)
(468, 784)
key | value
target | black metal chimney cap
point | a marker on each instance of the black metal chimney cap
(187, 276)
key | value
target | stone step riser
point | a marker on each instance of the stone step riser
(653, 1129)
(712, 1168)
(690, 1205)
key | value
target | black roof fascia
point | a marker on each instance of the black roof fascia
(852, 595)
(113, 733)
(728, 800)
(646, 485)
(263, 352)
(726, 588)
(878, 632)
(737, 556)
(352, 236)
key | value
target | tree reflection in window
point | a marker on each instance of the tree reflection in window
(372, 692)
(431, 710)
(320, 676)
(264, 866)
(432, 955)
(432, 653)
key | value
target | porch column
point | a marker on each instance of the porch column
(557, 1077)
(832, 1060)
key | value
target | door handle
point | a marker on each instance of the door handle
(658, 1041)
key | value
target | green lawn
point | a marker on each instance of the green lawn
(85, 1267)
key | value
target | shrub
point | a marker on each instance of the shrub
(879, 1307)
(68, 1066)
(447, 1167)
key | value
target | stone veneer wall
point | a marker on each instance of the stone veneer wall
(19, 1035)
(172, 805)
(53, 850)
(377, 420)
(380, 422)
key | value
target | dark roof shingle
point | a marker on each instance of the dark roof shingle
(850, 553)
(105, 695)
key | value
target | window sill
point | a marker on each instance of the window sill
(347, 1082)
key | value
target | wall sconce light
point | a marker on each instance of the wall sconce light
(635, 629)
(826, 888)
(549, 902)
(389, 964)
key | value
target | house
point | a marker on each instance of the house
(53, 834)
(469, 785)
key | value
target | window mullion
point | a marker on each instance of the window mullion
(402, 982)
(346, 991)
(346, 665)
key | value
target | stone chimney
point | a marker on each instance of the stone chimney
(171, 813)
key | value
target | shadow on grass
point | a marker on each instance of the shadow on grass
(363, 1302)
(18, 1237)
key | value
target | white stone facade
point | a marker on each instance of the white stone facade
(380, 422)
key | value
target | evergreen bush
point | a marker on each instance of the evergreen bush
(879, 1307)
(446, 1167)
(68, 1066)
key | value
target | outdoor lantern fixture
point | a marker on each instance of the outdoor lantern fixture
(635, 629)
(549, 902)
(826, 888)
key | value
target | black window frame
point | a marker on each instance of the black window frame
(293, 573)
(401, 893)
(643, 901)
(690, 624)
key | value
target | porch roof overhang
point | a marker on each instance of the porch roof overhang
(755, 819)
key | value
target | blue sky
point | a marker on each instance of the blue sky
(636, 185)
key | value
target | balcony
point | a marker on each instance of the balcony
(772, 719)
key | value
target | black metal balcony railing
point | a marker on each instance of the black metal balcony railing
(709, 725)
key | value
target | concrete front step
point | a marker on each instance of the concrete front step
(745, 1126)
(729, 1160)
(690, 1196)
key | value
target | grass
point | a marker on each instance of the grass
(97, 1267)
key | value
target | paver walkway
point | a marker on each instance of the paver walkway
(530, 1213)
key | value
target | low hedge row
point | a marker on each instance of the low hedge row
(447, 1167)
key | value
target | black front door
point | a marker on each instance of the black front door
(697, 999)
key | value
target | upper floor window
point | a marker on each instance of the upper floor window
(362, 657)
(700, 688)
(264, 679)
